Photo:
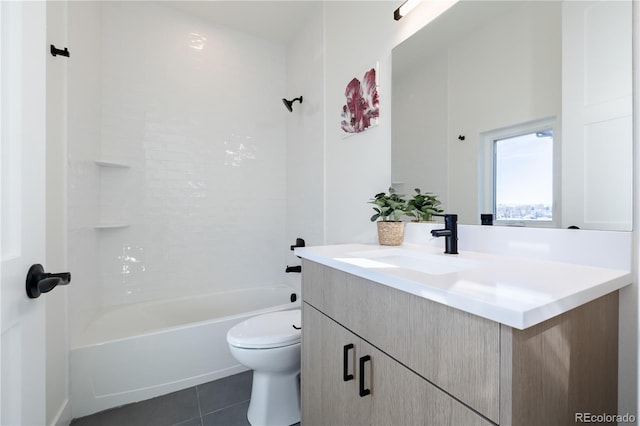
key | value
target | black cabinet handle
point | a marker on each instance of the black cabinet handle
(363, 390)
(345, 362)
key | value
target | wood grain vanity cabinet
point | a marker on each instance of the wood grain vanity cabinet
(372, 354)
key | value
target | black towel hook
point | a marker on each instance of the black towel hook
(62, 52)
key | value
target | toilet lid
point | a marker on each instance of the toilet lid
(272, 330)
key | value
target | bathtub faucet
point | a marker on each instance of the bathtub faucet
(299, 243)
(450, 232)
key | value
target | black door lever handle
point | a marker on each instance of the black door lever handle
(39, 281)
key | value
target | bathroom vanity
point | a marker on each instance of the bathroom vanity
(412, 336)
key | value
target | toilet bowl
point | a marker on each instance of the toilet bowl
(269, 344)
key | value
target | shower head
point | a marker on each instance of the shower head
(288, 104)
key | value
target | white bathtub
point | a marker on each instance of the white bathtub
(138, 351)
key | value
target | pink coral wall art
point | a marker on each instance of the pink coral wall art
(361, 109)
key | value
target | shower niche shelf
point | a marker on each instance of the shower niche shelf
(109, 164)
(111, 226)
(112, 164)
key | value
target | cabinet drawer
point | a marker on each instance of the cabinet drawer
(457, 351)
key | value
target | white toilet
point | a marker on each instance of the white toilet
(269, 344)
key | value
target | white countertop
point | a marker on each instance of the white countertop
(517, 292)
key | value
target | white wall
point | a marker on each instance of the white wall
(83, 141)
(305, 138)
(629, 398)
(57, 364)
(358, 34)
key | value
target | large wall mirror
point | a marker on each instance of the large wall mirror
(480, 85)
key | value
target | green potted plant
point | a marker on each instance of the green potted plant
(389, 208)
(423, 206)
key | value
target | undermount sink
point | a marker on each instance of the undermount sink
(434, 264)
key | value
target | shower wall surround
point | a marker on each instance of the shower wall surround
(195, 112)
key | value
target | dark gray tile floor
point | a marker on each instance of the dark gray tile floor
(222, 402)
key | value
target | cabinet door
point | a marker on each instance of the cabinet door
(401, 397)
(327, 398)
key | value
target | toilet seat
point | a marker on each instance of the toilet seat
(272, 330)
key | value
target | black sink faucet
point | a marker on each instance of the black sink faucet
(450, 232)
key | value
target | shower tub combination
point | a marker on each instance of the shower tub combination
(135, 352)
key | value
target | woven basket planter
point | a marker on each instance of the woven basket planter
(390, 233)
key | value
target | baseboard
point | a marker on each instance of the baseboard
(63, 416)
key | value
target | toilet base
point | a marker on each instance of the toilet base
(275, 399)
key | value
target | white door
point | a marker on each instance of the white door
(597, 111)
(22, 209)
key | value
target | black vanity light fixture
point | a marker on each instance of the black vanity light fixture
(405, 8)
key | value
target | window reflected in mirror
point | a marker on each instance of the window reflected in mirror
(520, 182)
(523, 177)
